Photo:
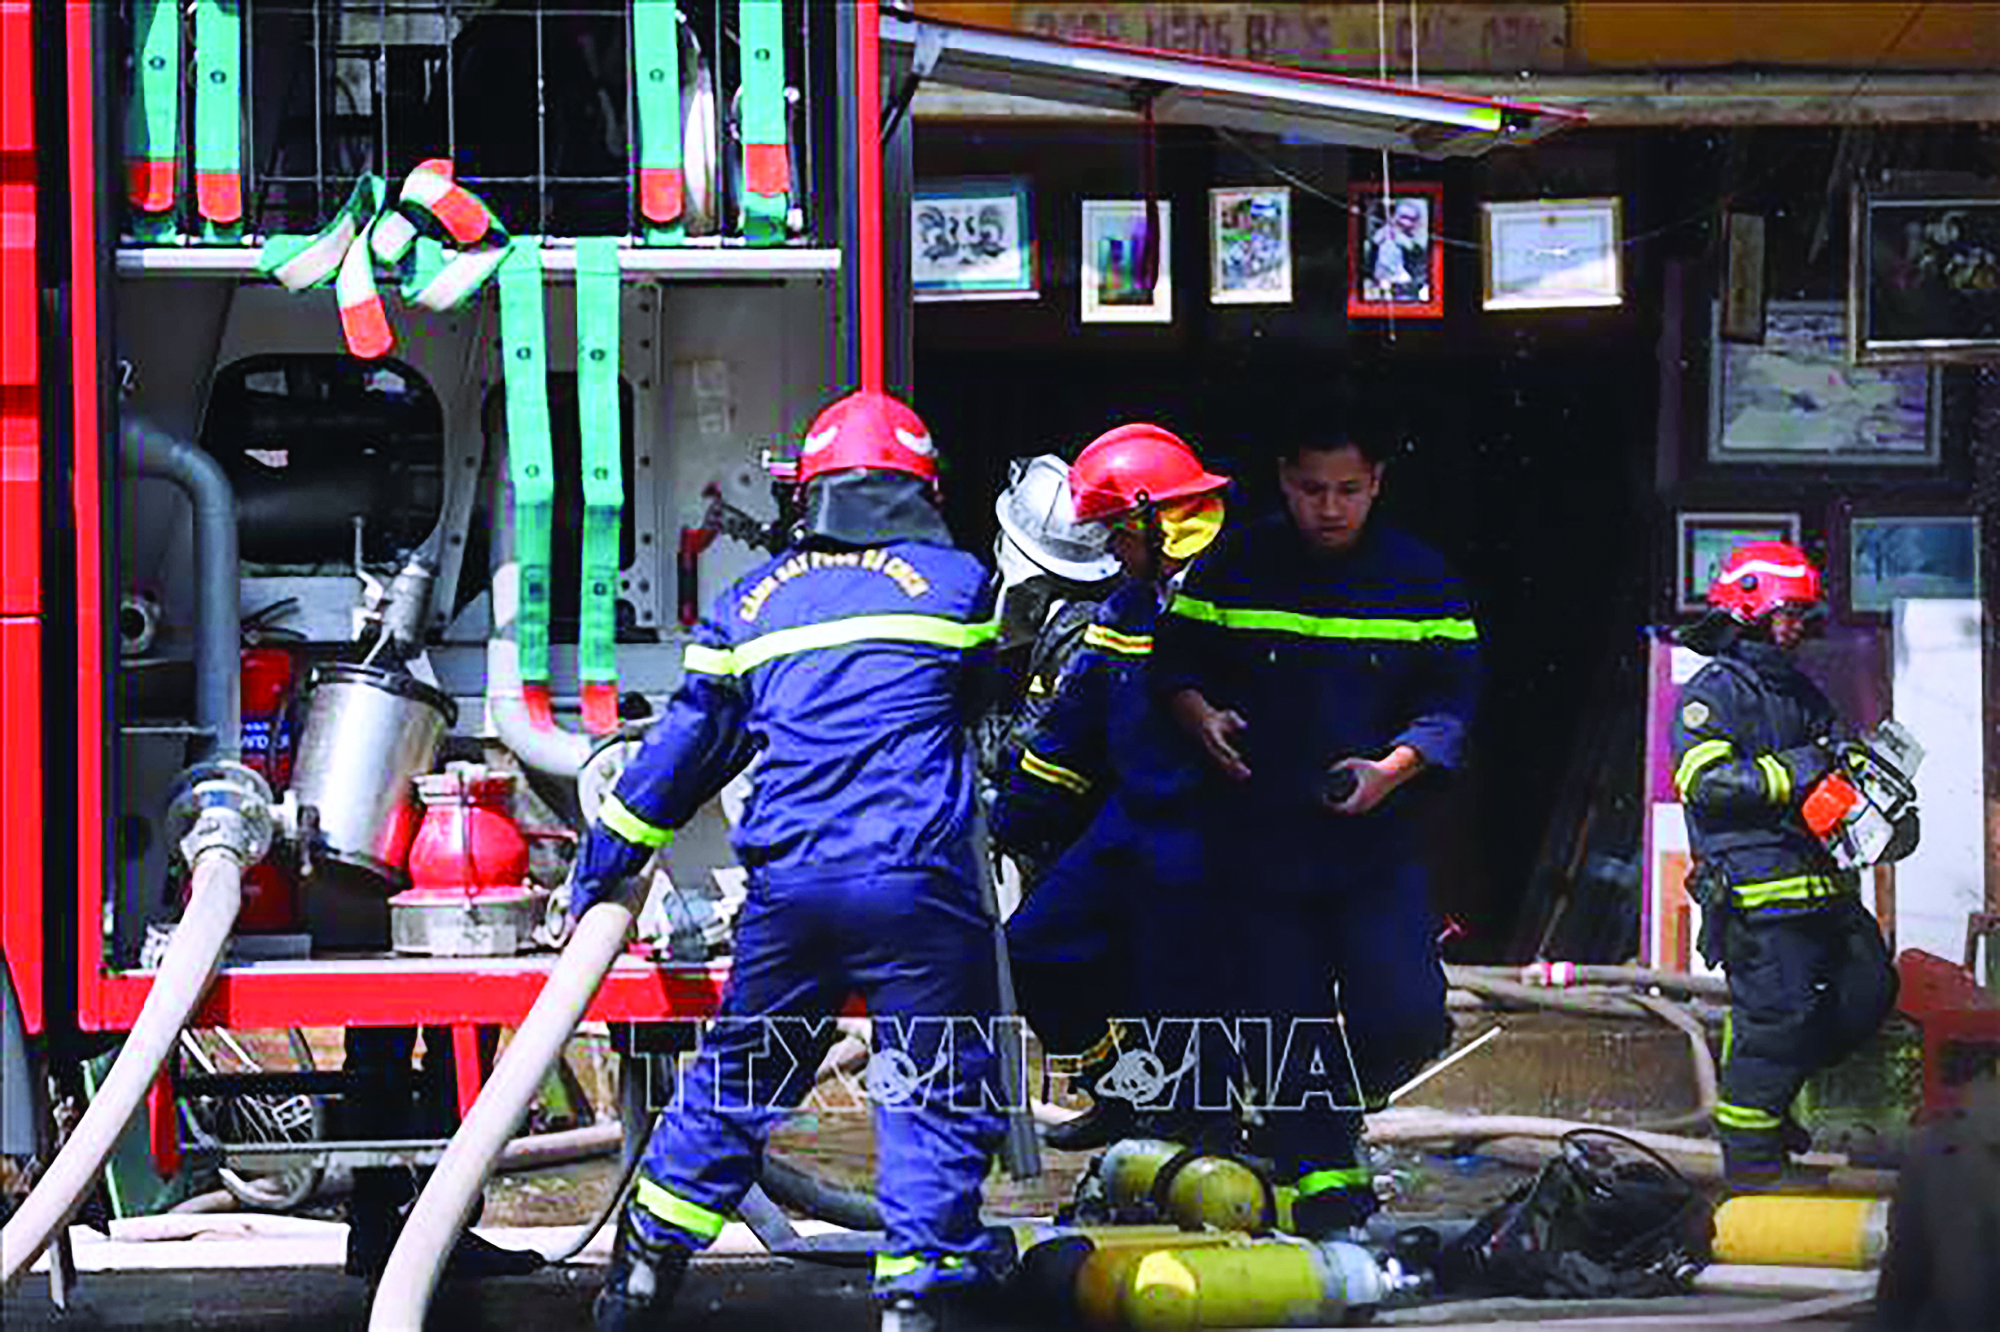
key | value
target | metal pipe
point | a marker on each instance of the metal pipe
(190, 963)
(548, 749)
(146, 450)
(446, 1203)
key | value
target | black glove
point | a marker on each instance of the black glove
(1903, 840)
(1807, 764)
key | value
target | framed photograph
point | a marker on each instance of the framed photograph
(1909, 557)
(1704, 540)
(972, 240)
(1551, 254)
(1798, 399)
(1742, 278)
(1250, 246)
(1925, 278)
(1114, 247)
(1395, 251)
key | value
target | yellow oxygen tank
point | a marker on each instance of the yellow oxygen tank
(1207, 1191)
(1781, 1230)
(1263, 1284)
(1098, 1285)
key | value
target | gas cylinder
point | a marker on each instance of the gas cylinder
(470, 893)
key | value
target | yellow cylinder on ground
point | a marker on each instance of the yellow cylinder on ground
(1780, 1230)
(1100, 1282)
(1257, 1285)
(1216, 1191)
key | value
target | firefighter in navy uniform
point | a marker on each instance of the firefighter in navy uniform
(1113, 928)
(843, 666)
(1809, 977)
(1322, 661)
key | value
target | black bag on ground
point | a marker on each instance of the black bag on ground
(1593, 1224)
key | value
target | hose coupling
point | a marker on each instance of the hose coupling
(220, 806)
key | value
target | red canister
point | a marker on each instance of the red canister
(468, 843)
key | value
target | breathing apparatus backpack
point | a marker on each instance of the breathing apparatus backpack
(1590, 1225)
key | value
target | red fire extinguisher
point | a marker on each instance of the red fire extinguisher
(270, 890)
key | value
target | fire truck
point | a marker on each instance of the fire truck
(378, 376)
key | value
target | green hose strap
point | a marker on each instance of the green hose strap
(218, 118)
(767, 182)
(153, 121)
(656, 57)
(530, 457)
(299, 262)
(600, 434)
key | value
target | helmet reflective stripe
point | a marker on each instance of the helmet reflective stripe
(814, 443)
(1773, 570)
(915, 443)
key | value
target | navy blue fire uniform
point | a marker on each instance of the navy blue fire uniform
(1809, 977)
(844, 671)
(1112, 928)
(1326, 656)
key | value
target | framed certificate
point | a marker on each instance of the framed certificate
(1545, 254)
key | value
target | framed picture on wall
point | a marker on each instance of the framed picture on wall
(1395, 251)
(1796, 398)
(1895, 557)
(1924, 278)
(1114, 250)
(1547, 254)
(1250, 246)
(972, 240)
(1704, 540)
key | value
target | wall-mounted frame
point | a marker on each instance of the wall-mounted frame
(1114, 238)
(1743, 284)
(1889, 557)
(1797, 398)
(1924, 278)
(973, 240)
(1548, 254)
(1702, 541)
(1395, 251)
(1250, 246)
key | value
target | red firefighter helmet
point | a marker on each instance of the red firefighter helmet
(1761, 577)
(868, 429)
(1133, 465)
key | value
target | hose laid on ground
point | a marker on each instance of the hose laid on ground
(192, 957)
(1679, 982)
(445, 1205)
(1706, 1079)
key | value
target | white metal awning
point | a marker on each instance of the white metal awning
(1199, 90)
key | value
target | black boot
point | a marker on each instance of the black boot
(1108, 1119)
(640, 1285)
(1333, 1213)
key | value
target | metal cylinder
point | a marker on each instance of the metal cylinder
(1796, 1231)
(369, 734)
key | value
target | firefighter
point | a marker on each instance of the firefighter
(1054, 571)
(1809, 977)
(1111, 928)
(1323, 660)
(841, 664)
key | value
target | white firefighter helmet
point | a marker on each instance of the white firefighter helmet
(1039, 532)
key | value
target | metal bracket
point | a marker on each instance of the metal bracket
(923, 60)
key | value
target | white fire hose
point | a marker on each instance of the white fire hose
(446, 1203)
(226, 809)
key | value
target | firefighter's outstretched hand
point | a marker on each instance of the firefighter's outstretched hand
(1216, 729)
(1373, 779)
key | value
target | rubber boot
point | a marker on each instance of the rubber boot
(1753, 1158)
(1108, 1119)
(1333, 1213)
(382, 1201)
(640, 1285)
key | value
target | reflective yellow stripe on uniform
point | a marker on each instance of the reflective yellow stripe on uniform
(1777, 779)
(1125, 645)
(1323, 1181)
(1744, 1117)
(889, 1266)
(618, 818)
(1692, 763)
(1036, 766)
(1357, 628)
(696, 1220)
(1771, 892)
(933, 630)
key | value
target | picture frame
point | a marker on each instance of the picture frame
(1891, 557)
(1395, 250)
(1703, 540)
(973, 239)
(1797, 398)
(1553, 254)
(1250, 245)
(1114, 232)
(1743, 281)
(1924, 278)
